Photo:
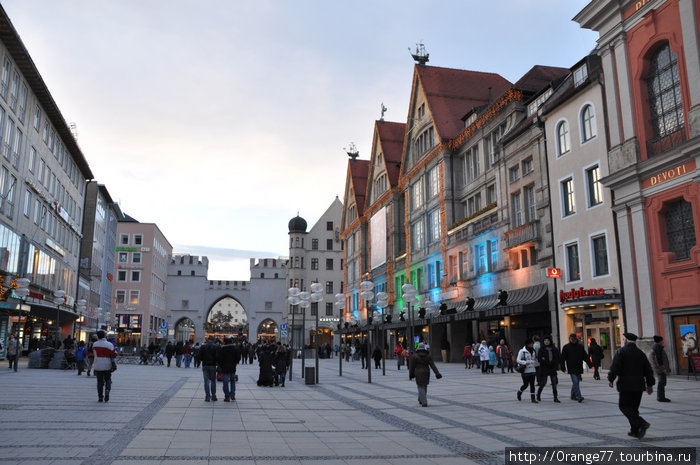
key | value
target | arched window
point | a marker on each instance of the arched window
(588, 129)
(563, 144)
(680, 229)
(664, 87)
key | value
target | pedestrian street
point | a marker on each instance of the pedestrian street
(158, 415)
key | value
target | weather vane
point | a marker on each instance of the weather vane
(352, 152)
(420, 56)
(381, 118)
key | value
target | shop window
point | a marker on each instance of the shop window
(680, 229)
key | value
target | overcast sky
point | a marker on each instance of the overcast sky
(219, 120)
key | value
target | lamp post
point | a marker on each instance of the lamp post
(410, 296)
(60, 298)
(340, 303)
(316, 297)
(367, 294)
(293, 300)
(382, 303)
(21, 292)
(98, 314)
(80, 307)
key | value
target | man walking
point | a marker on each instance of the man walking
(659, 362)
(634, 375)
(208, 357)
(573, 355)
(13, 351)
(229, 356)
(104, 353)
(503, 353)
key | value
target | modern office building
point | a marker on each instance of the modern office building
(142, 255)
(42, 194)
(100, 221)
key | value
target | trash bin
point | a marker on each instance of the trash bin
(310, 375)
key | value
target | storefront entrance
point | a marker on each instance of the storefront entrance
(601, 333)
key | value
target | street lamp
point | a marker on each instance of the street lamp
(21, 292)
(80, 307)
(340, 303)
(382, 302)
(316, 297)
(293, 300)
(60, 298)
(98, 314)
(410, 297)
(367, 294)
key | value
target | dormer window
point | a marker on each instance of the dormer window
(539, 101)
(380, 185)
(421, 111)
(580, 75)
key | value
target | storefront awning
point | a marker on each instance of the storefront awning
(527, 299)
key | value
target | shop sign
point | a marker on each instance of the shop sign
(634, 8)
(18, 319)
(327, 320)
(669, 174)
(554, 272)
(127, 249)
(580, 292)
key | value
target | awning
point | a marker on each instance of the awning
(524, 300)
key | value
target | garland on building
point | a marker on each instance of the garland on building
(512, 95)
(474, 215)
(6, 290)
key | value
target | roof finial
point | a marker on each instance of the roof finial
(381, 118)
(421, 57)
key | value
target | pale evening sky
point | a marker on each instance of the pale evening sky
(219, 120)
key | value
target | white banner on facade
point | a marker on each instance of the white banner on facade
(377, 225)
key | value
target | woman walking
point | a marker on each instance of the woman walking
(419, 368)
(595, 354)
(526, 359)
(484, 357)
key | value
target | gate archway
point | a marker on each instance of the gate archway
(184, 330)
(227, 317)
(268, 330)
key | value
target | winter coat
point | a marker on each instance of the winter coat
(595, 355)
(483, 353)
(632, 369)
(527, 358)
(492, 358)
(573, 356)
(659, 359)
(265, 362)
(548, 356)
(228, 357)
(419, 368)
(377, 355)
(207, 354)
(80, 353)
(169, 350)
(467, 352)
(281, 360)
(13, 347)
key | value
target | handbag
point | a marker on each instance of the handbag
(114, 366)
(520, 368)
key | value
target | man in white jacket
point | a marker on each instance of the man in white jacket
(484, 357)
(102, 366)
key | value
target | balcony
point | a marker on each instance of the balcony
(528, 232)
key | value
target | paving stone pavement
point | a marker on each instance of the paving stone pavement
(157, 415)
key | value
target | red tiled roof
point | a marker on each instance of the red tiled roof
(540, 77)
(453, 92)
(359, 170)
(391, 137)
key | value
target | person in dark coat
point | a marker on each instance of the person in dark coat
(548, 356)
(660, 365)
(419, 368)
(595, 355)
(573, 356)
(363, 354)
(281, 362)
(266, 377)
(208, 357)
(228, 357)
(178, 354)
(169, 351)
(634, 375)
(377, 356)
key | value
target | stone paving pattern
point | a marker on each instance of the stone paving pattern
(157, 415)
